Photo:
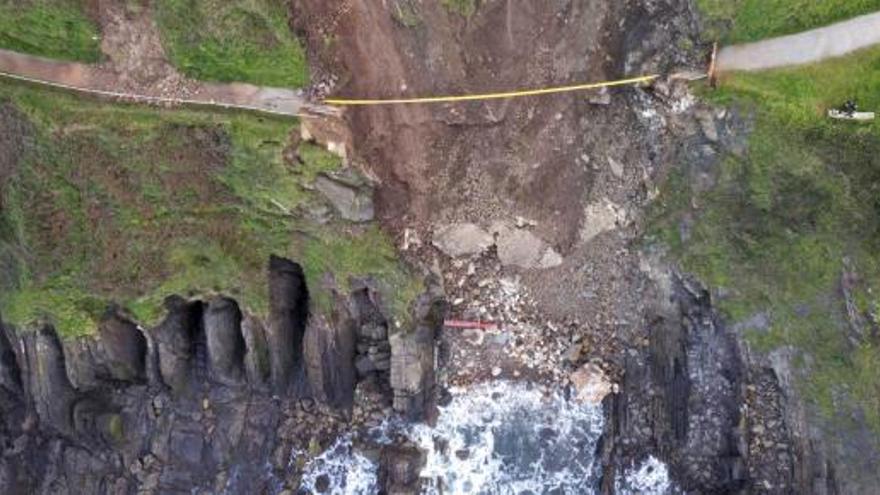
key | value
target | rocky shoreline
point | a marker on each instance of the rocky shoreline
(213, 400)
(174, 407)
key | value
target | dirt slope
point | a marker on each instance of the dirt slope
(542, 159)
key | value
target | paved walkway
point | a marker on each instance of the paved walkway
(803, 48)
(104, 83)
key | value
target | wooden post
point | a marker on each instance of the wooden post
(713, 76)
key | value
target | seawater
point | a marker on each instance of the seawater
(496, 438)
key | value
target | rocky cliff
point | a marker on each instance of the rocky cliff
(211, 399)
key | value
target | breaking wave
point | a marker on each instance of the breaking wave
(494, 438)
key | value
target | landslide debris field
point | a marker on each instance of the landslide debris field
(713, 253)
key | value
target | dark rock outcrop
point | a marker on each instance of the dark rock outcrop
(400, 468)
(329, 356)
(681, 397)
(288, 314)
(373, 359)
(123, 348)
(225, 343)
(184, 407)
(10, 374)
(82, 362)
(16, 476)
(175, 342)
(12, 400)
(122, 434)
(413, 358)
(49, 387)
(256, 358)
(118, 354)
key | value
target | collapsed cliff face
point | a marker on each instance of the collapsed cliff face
(495, 158)
(210, 399)
(692, 393)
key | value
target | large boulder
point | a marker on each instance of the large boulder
(590, 384)
(352, 199)
(599, 217)
(288, 313)
(399, 469)
(462, 239)
(226, 346)
(522, 248)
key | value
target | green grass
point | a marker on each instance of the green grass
(406, 12)
(466, 8)
(127, 204)
(233, 40)
(50, 28)
(773, 234)
(347, 256)
(739, 21)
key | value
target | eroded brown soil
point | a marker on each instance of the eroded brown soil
(544, 159)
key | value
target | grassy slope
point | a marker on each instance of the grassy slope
(233, 40)
(50, 28)
(128, 204)
(466, 8)
(738, 21)
(786, 220)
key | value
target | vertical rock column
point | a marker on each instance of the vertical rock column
(256, 358)
(174, 339)
(412, 358)
(226, 346)
(288, 313)
(123, 348)
(11, 392)
(13, 409)
(329, 356)
(48, 384)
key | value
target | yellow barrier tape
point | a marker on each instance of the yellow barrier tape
(490, 96)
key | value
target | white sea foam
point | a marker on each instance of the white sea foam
(342, 469)
(649, 478)
(510, 438)
(495, 438)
